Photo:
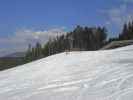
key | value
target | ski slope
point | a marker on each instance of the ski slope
(86, 75)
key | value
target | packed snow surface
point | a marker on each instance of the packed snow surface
(86, 75)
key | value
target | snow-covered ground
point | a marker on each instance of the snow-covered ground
(89, 75)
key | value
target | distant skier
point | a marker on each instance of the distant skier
(67, 52)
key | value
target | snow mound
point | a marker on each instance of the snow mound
(86, 75)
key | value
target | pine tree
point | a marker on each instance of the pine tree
(28, 54)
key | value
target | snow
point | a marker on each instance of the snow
(85, 75)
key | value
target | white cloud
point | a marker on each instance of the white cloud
(119, 15)
(127, 1)
(21, 38)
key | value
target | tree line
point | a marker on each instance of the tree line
(126, 34)
(81, 38)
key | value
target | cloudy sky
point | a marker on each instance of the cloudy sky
(28, 21)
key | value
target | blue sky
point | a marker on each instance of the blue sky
(38, 18)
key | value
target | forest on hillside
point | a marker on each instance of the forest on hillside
(81, 38)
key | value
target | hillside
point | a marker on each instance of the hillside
(11, 60)
(117, 44)
(85, 75)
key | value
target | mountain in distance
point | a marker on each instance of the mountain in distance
(11, 60)
(16, 55)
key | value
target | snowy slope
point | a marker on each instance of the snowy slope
(92, 75)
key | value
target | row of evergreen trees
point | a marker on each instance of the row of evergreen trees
(81, 38)
(126, 34)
